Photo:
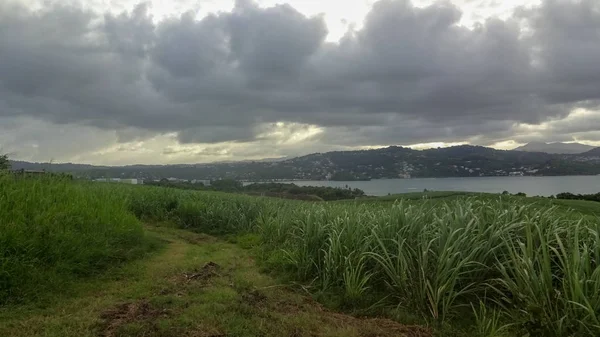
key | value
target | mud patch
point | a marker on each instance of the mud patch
(254, 297)
(375, 327)
(380, 327)
(205, 273)
(365, 326)
(126, 313)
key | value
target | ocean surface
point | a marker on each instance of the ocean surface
(532, 186)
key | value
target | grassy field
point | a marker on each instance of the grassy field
(582, 207)
(194, 285)
(458, 264)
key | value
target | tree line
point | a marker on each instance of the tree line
(4, 162)
(571, 196)
(291, 191)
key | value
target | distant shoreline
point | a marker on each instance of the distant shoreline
(415, 178)
(530, 185)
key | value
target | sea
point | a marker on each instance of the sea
(532, 186)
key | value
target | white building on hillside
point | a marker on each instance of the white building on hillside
(119, 180)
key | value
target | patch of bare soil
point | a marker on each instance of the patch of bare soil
(254, 297)
(366, 326)
(207, 272)
(381, 327)
(199, 277)
(126, 313)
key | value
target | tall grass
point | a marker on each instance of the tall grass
(534, 267)
(540, 265)
(53, 230)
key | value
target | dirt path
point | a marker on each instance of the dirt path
(195, 286)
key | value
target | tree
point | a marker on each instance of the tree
(227, 185)
(4, 163)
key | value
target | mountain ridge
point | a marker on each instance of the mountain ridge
(555, 148)
(595, 152)
(382, 163)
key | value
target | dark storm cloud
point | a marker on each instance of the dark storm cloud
(416, 131)
(409, 75)
(420, 63)
(567, 39)
(273, 43)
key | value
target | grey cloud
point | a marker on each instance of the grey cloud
(566, 45)
(410, 75)
(130, 35)
(31, 139)
(213, 151)
(419, 63)
(189, 48)
(592, 136)
(272, 43)
(408, 132)
(216, 134)
(58, 64)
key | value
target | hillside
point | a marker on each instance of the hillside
(390, 162)
(457, 161)
(555, 148)
(595, 152)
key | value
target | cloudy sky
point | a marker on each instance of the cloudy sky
(190, 81)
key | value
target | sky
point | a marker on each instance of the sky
(118, 82)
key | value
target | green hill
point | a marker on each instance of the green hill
(390, 162)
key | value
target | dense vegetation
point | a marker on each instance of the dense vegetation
(52, 230)
(281, 190)
(571, 196)
(537, 268)
(391, 162)
(480, 262)
(325, 193)
(4, 162)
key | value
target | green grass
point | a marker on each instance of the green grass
(580, 206)
(153, 297)
(434, 257)
(464, 264)
(519, 256)
(52, 231)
